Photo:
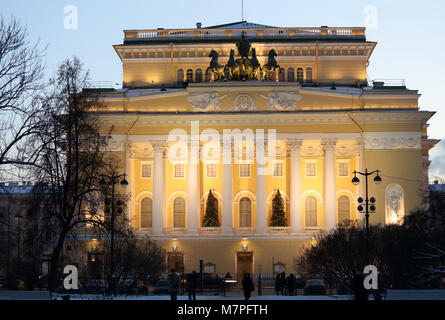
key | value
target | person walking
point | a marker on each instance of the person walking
(247, 286)
(291, 284)
(192, 285)
(283, 284)
(173, 284)
(278, 284)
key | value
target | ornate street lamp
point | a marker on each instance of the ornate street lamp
(112, 181)
(368, 204)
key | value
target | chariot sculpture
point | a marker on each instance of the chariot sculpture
(243, 68)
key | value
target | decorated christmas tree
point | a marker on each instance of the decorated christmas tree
(211, 215)
(278, 218)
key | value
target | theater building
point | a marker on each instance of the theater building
(316, 117)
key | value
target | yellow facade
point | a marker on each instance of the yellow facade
(326, 126)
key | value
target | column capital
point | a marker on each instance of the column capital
(158, 145)
(329, 143)
(294, 144)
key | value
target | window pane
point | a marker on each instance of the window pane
(146, 213)
(310, 169)
(311, 211)
(244, 170)
(278, 170)
(300, 75)
(179, 171)
(146, 221)
(290, 74)
(178, 221)
(343, 169)
(180, 76)
(146, 205)
(198, 75)
(146, 171)
(211, 170)
(309, 75)
(179, 205)
(189, 75)
(344, 209)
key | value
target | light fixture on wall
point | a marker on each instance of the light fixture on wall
(244, 247)
(174, 248)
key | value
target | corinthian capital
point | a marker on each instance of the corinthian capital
(329, 143)
(158, 145)
(294, 144)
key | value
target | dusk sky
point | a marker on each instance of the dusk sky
(410, 36)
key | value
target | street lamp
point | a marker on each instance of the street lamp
(112, 181)
(369, 205)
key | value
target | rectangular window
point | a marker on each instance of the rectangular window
(310, 170)
(244, 170)
(179, 171)
(343, 169)
(277, 169)
(146, 171)
(211, 171)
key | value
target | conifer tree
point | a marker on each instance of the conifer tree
(278, 218)
(211, 214)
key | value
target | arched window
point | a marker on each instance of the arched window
(189, 75)
(179, 213)
(180, 76)
(310, 210)
(344, 209)
(198, 75)
(146, 213)
(309, 75)
(208, 72)
(245, 213)
(281, 75)
(300, 75)
(290, 74)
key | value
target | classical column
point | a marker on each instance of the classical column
(330, 203)
(227, 190)
(296, 215)
(261, 217)
(193, 187)
(158, 187)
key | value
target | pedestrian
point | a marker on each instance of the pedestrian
(278, 284)
(358, 288)
(283, 286)
(247, 286)
(291, 284)
(173, 285)
(192, 285)
(228, 276)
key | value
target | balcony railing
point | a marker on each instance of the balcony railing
(209, 231)
(175, 230)
(245, 230)
(144, 230)
(278, 230)
(160, 34)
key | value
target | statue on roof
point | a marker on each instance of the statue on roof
(243, 68)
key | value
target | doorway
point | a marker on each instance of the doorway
(175, 260)
(244, 263)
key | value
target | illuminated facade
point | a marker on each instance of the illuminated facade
(318, 114)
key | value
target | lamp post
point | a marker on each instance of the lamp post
(368, 207)
(112, 181)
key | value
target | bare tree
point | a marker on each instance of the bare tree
(21, 74)
(72, 156)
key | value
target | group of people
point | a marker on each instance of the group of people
(174, 282)
(285, 286)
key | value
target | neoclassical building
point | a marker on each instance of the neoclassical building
(181, 129)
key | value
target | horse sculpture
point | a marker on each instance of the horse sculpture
(256, 67)
(270, 66)
(219, 70)
(232, 66)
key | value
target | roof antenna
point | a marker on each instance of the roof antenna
(242, 10)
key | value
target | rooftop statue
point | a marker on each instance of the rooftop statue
(244, 68)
